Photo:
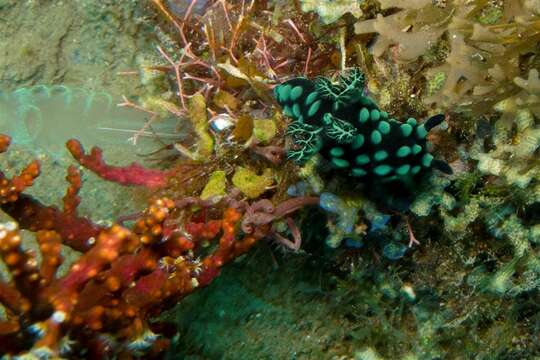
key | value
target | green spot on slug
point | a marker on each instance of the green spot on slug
(376, 137)
(362, 159)
(421, 132)
(384, 127)
(337, 152)
(327, 119)
(287, 111)
(415, 170)
(403, 169)
(357, 142)
(296, 92)
(276, 92)
(427, 159)
(411, 121)
(382, 170)
(416, 149)
(284, 92)
(296, 110)
(380, 155)
(358, 172)
(375, 115)
(363, 116)
(406, 129)
(403, 151)
(311, 98)
(384, 115)
(314, 108)
(340, 163)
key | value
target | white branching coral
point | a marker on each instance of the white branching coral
(513, 157)
(530, 96)
(410, 38)
(482, 51)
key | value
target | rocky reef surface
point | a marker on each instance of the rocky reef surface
(453, 275)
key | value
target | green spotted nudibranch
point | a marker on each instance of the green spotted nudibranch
(358, 140)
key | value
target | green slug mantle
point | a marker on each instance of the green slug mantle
(357, 139)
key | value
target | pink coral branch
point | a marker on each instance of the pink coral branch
(134, 174)
(263, 211)
(293, 245)
(412, 238)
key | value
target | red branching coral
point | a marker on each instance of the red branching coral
(76, 232)
(101, 306)
(134, 174)
(11, 188)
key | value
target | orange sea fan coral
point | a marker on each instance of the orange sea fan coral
(101, 306)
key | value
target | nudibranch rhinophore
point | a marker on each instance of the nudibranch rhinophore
(359, 140)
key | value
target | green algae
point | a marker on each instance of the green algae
(215, 186)
(250, 183)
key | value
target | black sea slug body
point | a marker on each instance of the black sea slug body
(359, 141)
